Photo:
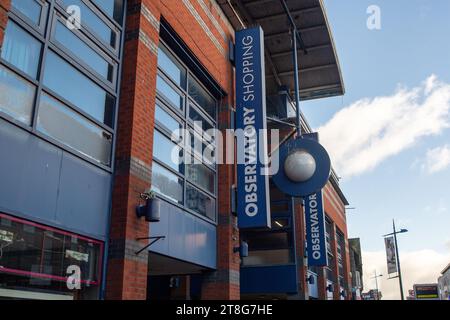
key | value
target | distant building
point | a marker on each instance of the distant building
(372, 295)
(356, 268)
(444, 283)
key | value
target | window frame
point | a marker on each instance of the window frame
(181, 115)
(53, 8)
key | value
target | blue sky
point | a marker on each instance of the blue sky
(411, 46)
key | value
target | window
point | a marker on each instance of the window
(94, 100)
(76, 103)
(63, 124)
(113, 8)
(167, 183)
(21, 49)
(94, 23)
(35, 260)
(87, 54)
(18, 103)
(29, 8)
(176, 109)
(171, 67)
(270, 247)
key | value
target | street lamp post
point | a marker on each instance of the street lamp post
(376, 276)
(398, 257)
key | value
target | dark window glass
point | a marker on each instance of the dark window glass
(21, 49)
(201, 175)
(113, 8)
(81, 50)
(200, 122)
(29, 8)
(167, 121)
(171, 67)
(93, 22)
(68, 127)
(35, 260)
(205, 150)
(202, 97)
(16, 96)
(200, 203)
(166, 183)
(169, 93)
(76, 88)
(167, 152)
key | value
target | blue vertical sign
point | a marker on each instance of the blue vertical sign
(253, 204)
(315, 230)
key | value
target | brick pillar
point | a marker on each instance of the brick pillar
(4, 8)
(223, 283)
(127, 272)
(321, 283)
(300, 239)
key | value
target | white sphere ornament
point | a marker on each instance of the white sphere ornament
(299, 166)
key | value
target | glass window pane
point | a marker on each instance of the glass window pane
(18, 102)
(200, 121)
(167, 120)
(202, 148)
(173, 69)
(93, 22)
(21, 49)
(200, 203)
(34, 260)
(76, 88)
(81, 50)
(68, 127)
(167, 152)
(201, 175)
(202, 97)
(169, 93)
(113, 8)
(166, 183)
(30, 8)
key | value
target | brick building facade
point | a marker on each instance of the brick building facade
(165, 53)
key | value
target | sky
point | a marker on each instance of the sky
(389, 135)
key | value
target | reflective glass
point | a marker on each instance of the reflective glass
(166, 183)
(68, 127)
(166, 120)
(81, 50)
(201, 175)
(167, 152)
(200, 203)
(93, 22)
(202, 97)
(21, 49)
(173, 69)
(18, 102)
(169, 93)
(113, 8)
(72, 85)
(30, 8)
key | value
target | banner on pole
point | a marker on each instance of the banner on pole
(390, 255)
(315, 230)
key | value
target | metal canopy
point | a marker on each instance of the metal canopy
(319, 70)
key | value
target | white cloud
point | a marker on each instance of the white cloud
(362, 135)
(437, 159)
(422, 266)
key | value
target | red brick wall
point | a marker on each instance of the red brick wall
(127, 273)
(4, 8)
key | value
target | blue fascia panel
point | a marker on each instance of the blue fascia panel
(269, 279)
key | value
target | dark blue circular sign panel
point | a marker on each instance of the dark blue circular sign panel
(318, 179)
